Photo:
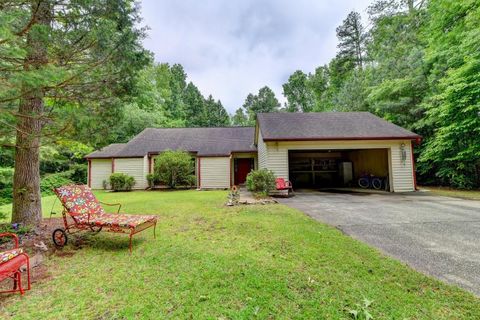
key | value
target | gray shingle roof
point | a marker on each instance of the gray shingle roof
(108, 151)
(329, 126)
(203, 141)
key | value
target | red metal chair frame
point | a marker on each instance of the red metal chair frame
(11, 268)
(78, 226)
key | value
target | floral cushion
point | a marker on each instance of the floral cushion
(79, 199)
(10, 254)
(115, 220)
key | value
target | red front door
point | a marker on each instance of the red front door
(242, 167)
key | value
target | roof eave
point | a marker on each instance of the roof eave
(413, 137)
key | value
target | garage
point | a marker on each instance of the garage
(336, 149)
(339, 168)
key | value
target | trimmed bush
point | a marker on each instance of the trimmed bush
(121, 182)
(175, 168)
(261, 181)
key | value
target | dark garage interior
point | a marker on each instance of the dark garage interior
(335, 168)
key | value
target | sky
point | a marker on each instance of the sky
(230, 48)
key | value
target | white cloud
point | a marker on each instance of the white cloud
(232, 48)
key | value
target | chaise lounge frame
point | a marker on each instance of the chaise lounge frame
(79, 224)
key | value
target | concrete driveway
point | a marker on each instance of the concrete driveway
(439, 236)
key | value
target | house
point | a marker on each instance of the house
(327, 149)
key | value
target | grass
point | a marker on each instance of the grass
(215, 262)
(456, 193)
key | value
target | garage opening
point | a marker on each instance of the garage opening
(337, 168)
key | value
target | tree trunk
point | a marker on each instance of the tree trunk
(27, 206)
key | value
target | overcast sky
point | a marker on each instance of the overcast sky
(230, 48)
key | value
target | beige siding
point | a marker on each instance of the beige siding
(215, 172)
(101, 169)
(134, 167)
(401, 172)
(262, 152)
(145, 167)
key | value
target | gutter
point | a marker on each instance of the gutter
(416, 138)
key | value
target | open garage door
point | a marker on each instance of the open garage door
(337, 168)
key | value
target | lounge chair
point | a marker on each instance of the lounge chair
(87, 214)
(10, 263)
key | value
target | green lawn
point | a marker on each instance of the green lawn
(448, 192)
(216, 262)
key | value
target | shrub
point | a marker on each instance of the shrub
(6, 177)
(261, 181)
(6, 184)
(79, 173)
(153, 180)
(175, 168)
(121, 182)
(54, 180)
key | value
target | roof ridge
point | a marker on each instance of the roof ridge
(222, 127)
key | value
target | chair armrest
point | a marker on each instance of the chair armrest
(112, 204)
(288, 184)
(13, 235)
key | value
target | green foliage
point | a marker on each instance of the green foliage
(299, 94)
(6, 177)
(12, 228)
(453, 150)
(240, 119)
(264, 101)
(6, 185)
(261, 181)
(153, 180)
(175, 168)
(216, 115)
(351, 36)
(362, 311)
(55, 180)
(121, 182)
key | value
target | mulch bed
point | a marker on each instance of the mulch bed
(38, 244)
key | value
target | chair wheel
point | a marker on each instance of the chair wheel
(59, 237)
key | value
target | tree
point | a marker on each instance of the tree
(319, 84)
(215, 113)
(194, 106)
(53, 52)
(240, 119)
(399, 82)
(452, 152)
(351, 36)
(175, 106)
(264, 101)
(299, 94)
